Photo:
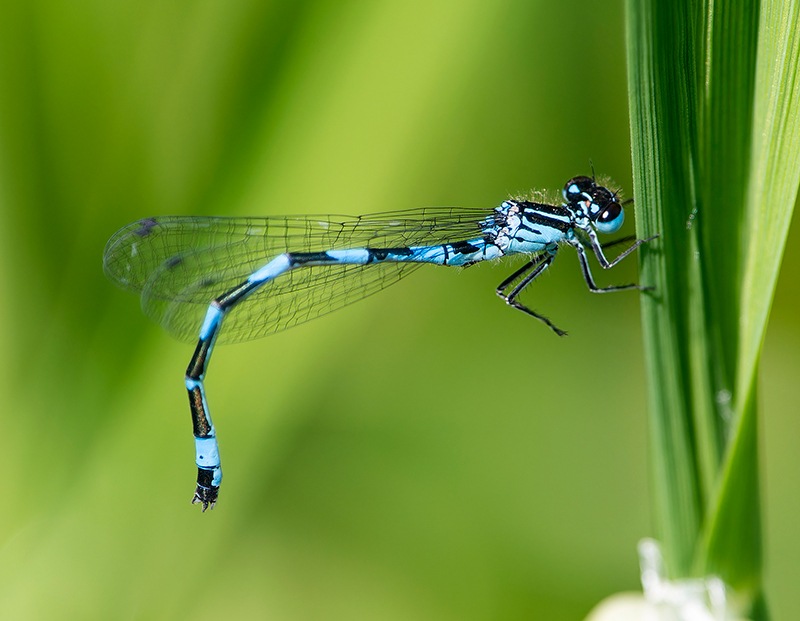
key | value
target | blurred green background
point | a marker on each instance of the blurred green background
(373, 469)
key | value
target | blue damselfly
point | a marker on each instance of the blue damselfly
(258, 276)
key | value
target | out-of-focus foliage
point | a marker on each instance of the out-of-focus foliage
(425, 454)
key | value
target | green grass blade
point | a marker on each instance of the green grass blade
(716, 150)
(662, 154)
(773, 185)
(775, 172)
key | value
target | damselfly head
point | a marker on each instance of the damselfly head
(601, 205)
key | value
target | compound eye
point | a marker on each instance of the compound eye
(577, 188)
(610, 219)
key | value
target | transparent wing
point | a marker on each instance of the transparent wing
(181, 263)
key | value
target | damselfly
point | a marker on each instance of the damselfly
(258, 276)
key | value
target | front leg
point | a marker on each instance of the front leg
(587, 273)
(598, 249)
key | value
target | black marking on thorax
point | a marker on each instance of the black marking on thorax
(553, 216)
